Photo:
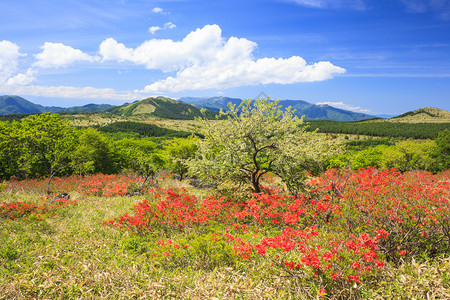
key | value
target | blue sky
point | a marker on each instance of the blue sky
(372, 56)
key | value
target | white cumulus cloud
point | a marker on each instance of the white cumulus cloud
(23, 78)
(9, 60)
(219, 74)
(157, 10)
(55, 55)
(204, 59)
(196, 48)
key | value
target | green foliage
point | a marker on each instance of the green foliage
(15, 117)
(442, 151)
(45, 145)
(143, 157)
(370, 157)
(370, 142)
(409, 155)
(92, 154)
(405, 156)
(180, 151)
(40, 145)
(254, 139)
(11, 149)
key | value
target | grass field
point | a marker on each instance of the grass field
(228, 244)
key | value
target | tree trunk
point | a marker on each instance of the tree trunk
(255, 182)
(49, 181)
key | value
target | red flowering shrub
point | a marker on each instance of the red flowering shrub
(16, 209)
(413, 208)
(338, 235)
(91, 185)
(106, 185)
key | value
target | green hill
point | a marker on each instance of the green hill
(162, 108)
(423, 115)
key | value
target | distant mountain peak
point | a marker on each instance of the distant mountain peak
(309, 110)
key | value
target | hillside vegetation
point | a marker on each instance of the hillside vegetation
(162, 108)
(254, 209)
(424, 115)
(382, 128)
(424, 123)
(142, 130)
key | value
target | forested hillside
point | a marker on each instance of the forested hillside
(383, 129)
(310, 111)
(162, 108)
(11, 104)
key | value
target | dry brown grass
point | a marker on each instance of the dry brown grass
(431, 115)
(85, 120)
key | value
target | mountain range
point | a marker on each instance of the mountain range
(185, 108)
(13, 105)
(302, 108)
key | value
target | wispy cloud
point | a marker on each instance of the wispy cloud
(69, 92)
(399, 75)
(439, 7)
(332, 4)
(344, 106)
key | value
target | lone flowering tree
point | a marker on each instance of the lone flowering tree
(255, 138)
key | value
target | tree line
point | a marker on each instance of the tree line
(383, 129)
(250, 141)
(142, 129)
(404, 155)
